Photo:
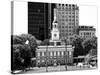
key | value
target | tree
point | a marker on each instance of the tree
(77, 42)
(32, 42)
(16, 59)
(93, 52)
(21, 57)
(90, 44)
(16, 39)
(26, 54)
(45, 42)
(22, 52)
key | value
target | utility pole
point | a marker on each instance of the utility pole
(49, 29)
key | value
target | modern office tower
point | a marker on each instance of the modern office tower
(86, 32)
(68, 19)
(38, 20)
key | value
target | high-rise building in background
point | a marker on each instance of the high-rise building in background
(68, 19)
(39, 19)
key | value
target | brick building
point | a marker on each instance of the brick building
(55, 52)
(50, 55)
(86, 31)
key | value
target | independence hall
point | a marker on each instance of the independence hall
(56, 52)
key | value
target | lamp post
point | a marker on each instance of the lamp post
(65, 54)
(66, 43)
(47, 58)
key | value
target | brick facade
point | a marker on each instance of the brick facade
(49, 55)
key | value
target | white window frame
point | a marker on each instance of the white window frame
(55, 53)
(42, 53)
(38, 53)
(51, 54)
(70, 53)
(62, 53)
(58, 53)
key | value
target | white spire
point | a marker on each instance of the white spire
(55, 16)
(55, 31)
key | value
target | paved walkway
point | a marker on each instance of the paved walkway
(55, 69)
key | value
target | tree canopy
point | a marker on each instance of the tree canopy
(45, 42)
(90, 44)
(83, 46)
(22, 50)
(77, 42)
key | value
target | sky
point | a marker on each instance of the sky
(88, 16)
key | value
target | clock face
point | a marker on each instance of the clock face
(55, 35)
(55, 26)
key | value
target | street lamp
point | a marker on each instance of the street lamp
(65, 54)
(47, 58)
(66, 43)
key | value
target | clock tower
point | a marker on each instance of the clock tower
(55, 31)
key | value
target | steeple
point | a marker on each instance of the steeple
(55, 16)
(55, 23)
(55, 31)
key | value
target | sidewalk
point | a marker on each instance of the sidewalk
(54, 69)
